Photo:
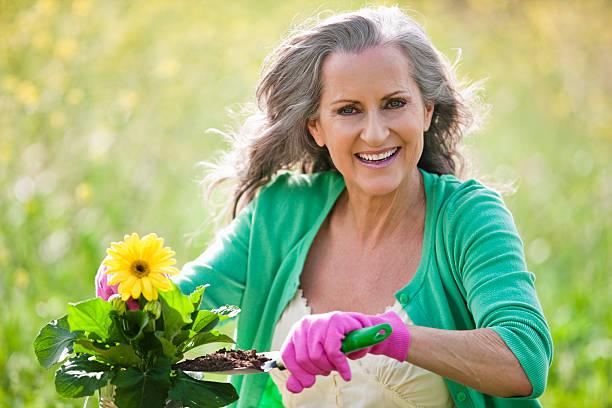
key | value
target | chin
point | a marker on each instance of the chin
(380, 188)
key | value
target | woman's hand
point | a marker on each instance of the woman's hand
(313, 345)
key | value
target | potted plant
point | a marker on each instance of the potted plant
(123, 343)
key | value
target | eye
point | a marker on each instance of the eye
(396, 103)
(347, 110)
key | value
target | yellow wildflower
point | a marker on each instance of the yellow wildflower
(128, 99)
(28, 94)
(10, 83)
(22, 278)
(140, 266)
(66, 48)
(81, 7)
(46, 7)
(168, 68)
(57, 119)
(41, 40)
(75, 96)
(82, 192)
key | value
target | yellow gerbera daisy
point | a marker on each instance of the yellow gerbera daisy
(140, 266)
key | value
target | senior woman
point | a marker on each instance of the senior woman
(348, 213)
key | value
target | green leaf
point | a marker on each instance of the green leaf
(201, 394)
(81, 376)
(195, 297)
(54, 342)
(212, 336)
(173, 320)
(169, 349)
(122, 354)
(181, 338)
(175, 299)
(227, 311)
(149, 389)
(135, 322)
(150, 346)
(204, 321)
(91, 316)
(115, 333)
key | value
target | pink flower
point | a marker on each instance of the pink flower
(104, 290)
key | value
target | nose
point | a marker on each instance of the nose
(375, 131)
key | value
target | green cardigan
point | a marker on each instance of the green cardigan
(472, 273)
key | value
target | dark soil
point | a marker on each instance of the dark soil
(223, 360)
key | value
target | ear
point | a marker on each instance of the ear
(429, 109)
(314, 127)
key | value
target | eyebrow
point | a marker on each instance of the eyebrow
(387, 96)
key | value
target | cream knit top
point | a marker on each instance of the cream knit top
(377, 381)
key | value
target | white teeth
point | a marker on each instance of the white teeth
(374, 157)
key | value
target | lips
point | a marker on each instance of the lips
(377, 156)
(379, 159)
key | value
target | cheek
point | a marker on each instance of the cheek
(412, 135)
(341, 135)
(418, 151)
(340, 149)
(417, 142)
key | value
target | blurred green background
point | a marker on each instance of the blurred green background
(104, 107)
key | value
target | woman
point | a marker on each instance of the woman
(377, 228)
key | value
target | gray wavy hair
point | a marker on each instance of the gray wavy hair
(275, 135)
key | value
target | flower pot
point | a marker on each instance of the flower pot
(107, 396)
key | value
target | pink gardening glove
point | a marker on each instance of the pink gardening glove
(104, 290)
(313, 346)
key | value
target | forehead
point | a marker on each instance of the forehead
(377, 69)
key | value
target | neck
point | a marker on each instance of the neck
(376, 219)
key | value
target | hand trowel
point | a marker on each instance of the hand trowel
(354, 341)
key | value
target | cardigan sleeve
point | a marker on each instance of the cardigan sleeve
(490, 267)
(223, 265)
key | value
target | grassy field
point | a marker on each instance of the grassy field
(104, 107)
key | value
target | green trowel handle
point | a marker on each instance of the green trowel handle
(366, 337)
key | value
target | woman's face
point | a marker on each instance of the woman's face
(371, 118)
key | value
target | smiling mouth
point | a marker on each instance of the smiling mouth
(377, 158)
